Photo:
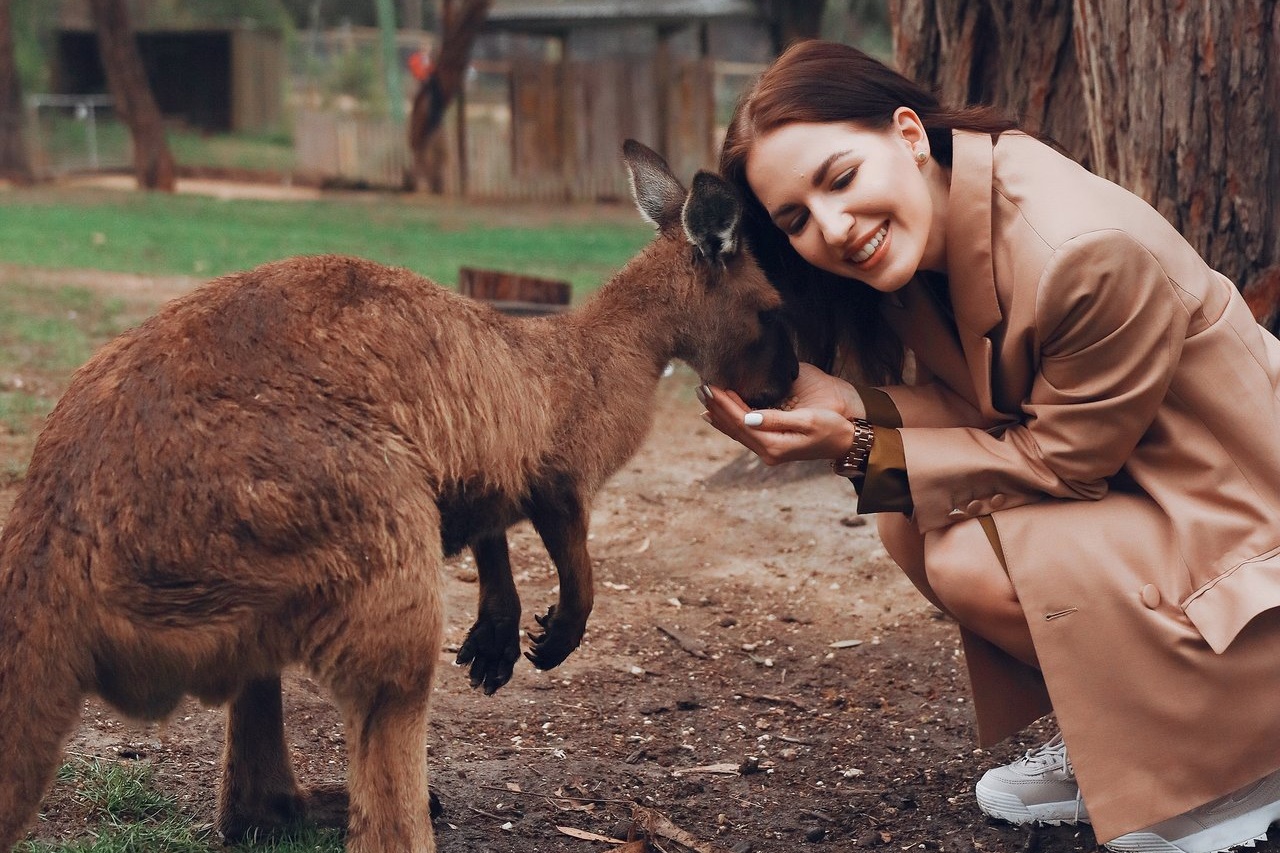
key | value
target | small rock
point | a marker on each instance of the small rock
(853, 521)
(815, 835)
(467, 575)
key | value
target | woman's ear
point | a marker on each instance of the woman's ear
(909, 126)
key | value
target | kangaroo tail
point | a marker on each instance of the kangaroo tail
(40, 700)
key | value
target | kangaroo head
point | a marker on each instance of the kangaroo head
(731, 334)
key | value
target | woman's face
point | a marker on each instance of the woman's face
(853, 201)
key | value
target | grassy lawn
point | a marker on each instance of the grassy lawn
(158, 234)
(130, 815)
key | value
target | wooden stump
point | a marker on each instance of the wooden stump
(513, 293)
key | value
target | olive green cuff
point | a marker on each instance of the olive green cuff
(881, 410)
(885, 487)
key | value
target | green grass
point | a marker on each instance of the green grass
(53, 329)
(256, 152)
(160, 234)
(125, 813)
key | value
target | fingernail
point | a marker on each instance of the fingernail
(753, 419)
(704, 394)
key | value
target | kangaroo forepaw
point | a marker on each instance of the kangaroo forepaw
(561, 634)
(492, 648)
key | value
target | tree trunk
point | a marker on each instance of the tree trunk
(14, 163)
(458, 31)
(796, 19)
(153, 163)
(1183, 112)
(1012, 54)
(1172, 101)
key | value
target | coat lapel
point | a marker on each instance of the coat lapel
(971, 272)
(920, 324)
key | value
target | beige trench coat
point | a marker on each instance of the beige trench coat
(1121, 426)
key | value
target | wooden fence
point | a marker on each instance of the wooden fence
(542, 130)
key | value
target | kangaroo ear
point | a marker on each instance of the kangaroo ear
(711, 216)
(657, 192)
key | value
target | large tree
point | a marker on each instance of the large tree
(1174, 101)
(793, 20)
(14, 163)
(153, 163)
(460, 24)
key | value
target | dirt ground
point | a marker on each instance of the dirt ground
(757, 676)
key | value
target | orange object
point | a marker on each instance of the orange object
(421, 66)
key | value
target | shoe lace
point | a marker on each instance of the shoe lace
(1053, 752)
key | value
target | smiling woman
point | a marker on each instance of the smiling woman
(1064, 473)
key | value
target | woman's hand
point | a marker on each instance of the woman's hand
(816, 424)
(814, 389)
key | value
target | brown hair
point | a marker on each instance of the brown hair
(822, 82)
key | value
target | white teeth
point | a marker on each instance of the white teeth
(871, 245)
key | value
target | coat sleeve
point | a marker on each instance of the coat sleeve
(932, 404)
(1110, 327)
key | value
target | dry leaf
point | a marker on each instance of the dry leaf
(583, 835)
(659, 824)
(724, 769)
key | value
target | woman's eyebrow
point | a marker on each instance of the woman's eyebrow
(783, 210)
(820, 175)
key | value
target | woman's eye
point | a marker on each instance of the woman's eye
(796, 224)
(843, 179)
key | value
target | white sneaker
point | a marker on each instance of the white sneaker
(1236, 820)
(1040, 787)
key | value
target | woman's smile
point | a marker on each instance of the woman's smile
(869, 251)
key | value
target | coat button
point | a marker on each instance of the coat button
(1150, 596)
(974, 508)
(997, 500)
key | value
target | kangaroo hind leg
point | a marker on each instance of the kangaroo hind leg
(378, 667)
(258, 794)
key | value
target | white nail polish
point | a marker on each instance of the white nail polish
(753, 419)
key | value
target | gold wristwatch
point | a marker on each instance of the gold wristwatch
(853, 464)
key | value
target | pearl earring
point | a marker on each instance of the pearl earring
(921, 156)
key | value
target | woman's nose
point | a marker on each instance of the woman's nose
(835, 226)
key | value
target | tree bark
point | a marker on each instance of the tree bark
(1182, 110)
(153, 163)
(1172, 101)
(796, 19)
(15, 165)
(1015, 55)
(458, 31)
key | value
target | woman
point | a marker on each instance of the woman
(1084, 470)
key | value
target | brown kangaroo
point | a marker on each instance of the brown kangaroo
(271, 469)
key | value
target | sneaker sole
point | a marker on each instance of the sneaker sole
(1245, 830)
(1007, 807)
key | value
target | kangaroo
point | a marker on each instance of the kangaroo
(270, 470)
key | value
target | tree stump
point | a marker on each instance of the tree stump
(513, 293)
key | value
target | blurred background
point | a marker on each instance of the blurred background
(323, 92)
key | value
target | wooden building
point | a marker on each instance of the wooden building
(212, 76)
